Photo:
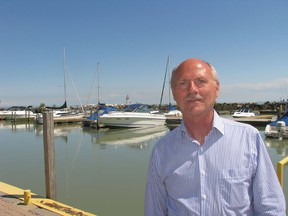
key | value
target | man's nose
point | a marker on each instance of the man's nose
(192, 86)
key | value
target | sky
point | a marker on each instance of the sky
(130, 41)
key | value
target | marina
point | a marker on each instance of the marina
(98, 171)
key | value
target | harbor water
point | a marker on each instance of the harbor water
(99, 171)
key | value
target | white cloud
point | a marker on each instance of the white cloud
(272, 84)
(272, 90)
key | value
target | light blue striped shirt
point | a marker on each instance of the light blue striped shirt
(230, 174)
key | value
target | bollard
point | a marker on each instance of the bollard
(27, 197)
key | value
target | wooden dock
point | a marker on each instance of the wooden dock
(254, 121)
(261, 120)
(15, 201)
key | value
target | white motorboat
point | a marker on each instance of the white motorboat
(17, 112)
(135, 115)
(62, 116)
(243, 113)
(173, 113)
(278, 128)
(173, 118)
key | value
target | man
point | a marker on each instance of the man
(209, 165)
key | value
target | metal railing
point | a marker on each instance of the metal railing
(280, 166)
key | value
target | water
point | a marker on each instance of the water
(102, 172)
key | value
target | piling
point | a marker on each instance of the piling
(49, 155)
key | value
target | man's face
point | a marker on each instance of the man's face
(194, 88)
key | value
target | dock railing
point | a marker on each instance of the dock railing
(280, 171)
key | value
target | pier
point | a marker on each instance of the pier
(15, 201)
(254, 121)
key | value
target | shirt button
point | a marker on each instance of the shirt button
(204, 197)
(203, 172)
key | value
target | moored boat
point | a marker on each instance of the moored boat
(92, 120)
(135, 115)
(173, 117)
(278, 128)
(17, 112)
(243, 113)
(62, 116)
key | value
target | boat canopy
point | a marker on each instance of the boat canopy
(171, 107)
(284, 118)
(101, 111)
(61, 107)
(138, 107)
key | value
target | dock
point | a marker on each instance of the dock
(173, 122)
(15, 201)
(254, 121)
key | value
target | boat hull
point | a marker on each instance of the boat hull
(73, 118)
(272, 132)
(132, 120)
(11, 115)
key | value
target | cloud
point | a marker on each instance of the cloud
(272, 84)
(273, 90)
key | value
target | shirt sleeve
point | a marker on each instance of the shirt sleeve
(155, 194)
(269, 198)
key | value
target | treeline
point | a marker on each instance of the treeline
(261, 107)
(267, 107)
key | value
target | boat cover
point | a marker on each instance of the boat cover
(61, 107)
(99, 112)
(283, 118)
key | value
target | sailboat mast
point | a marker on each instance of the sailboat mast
(169, 77)
(64, 65)
(167, 66)
(98, 87)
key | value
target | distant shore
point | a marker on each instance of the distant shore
(222, 108)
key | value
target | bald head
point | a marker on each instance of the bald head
(194, 64)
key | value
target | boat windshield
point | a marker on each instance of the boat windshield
(137, 108)
(16, 108)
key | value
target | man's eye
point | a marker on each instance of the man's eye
(183, 84)
(201, 81)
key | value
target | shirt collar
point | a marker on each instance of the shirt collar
(216, 124)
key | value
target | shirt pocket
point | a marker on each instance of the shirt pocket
(234, 187)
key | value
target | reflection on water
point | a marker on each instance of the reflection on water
(134, 137)
(16, 127)
(100, 171)
(281, 146)
(60, 130)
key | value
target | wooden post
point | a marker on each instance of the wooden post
(49, 155)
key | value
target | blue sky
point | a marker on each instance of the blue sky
(246, 41)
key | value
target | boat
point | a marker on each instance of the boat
(92, 120)
(134, 115)
(173, 116)
(243, 113)
(16, 113)
(278, 128)
(62, 116)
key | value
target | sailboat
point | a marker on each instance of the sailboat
(173, 116)
(63, 114)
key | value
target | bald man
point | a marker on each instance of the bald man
(209, 165)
